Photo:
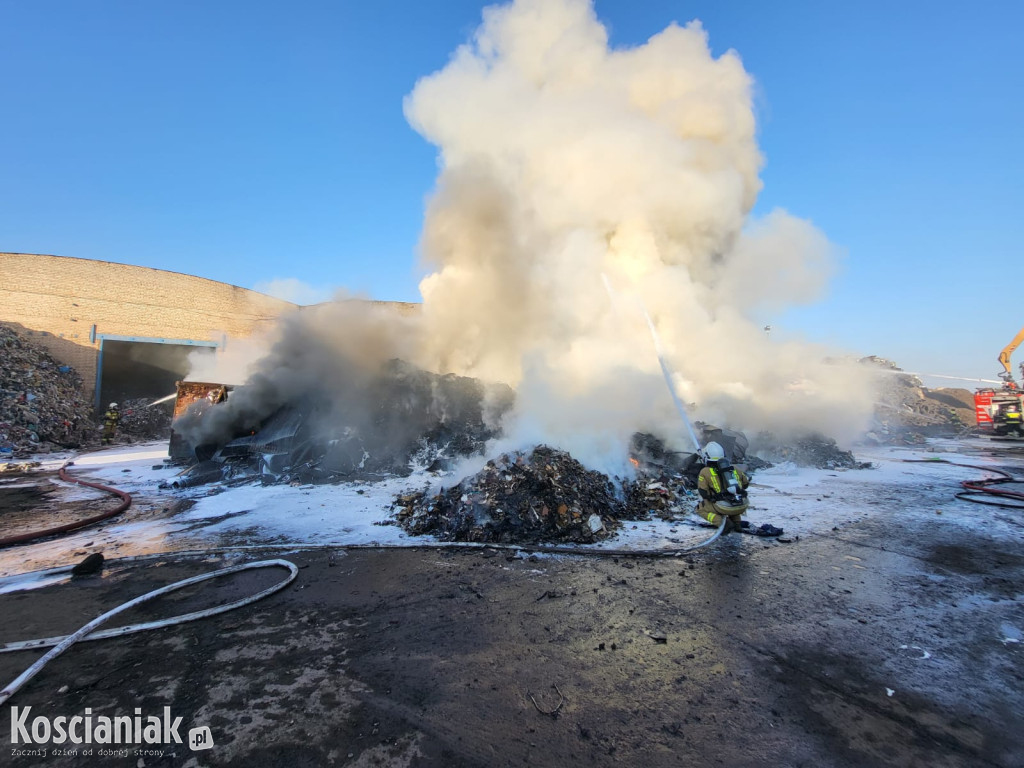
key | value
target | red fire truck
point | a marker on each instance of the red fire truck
(1001, 411)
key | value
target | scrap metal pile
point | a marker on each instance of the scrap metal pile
(42, 403)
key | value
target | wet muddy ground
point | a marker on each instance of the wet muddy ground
(891, 641)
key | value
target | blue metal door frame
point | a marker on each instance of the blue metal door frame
(148, 340)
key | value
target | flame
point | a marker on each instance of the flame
(634, 462)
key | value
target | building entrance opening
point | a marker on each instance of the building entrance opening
(130, 369)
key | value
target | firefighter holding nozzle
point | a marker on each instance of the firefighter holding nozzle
(723, 494)
(722, 488)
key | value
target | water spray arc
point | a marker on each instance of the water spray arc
(667, 373)
(665, 370)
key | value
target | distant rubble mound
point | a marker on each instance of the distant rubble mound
(43, 406)
(906, 410)
(811, 450)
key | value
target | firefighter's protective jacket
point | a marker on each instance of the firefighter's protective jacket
(111, 418)
(713, 485)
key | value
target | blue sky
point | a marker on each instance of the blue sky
(248, 141)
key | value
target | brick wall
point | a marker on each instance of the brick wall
(57, 300)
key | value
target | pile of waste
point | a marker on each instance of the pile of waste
(543, 495)
(666, 496)
(42, 403)
(140, 419)
(907, 411)
(401, 420)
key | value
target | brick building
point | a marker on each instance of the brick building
(107, 320)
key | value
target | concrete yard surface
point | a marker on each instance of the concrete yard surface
(893, 640)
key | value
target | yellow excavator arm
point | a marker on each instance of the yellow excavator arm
(1004, 356)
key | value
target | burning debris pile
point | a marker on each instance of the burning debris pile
(140, 419)
(545, 495)
(558, 246)
(42, 404)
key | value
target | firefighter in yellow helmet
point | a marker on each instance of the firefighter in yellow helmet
(722, 488)
(110, 421)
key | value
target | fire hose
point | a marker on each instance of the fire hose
(978, 491)
(543, 549)
(126, 501)
(60, 644)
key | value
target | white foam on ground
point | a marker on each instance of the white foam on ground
(803, 501)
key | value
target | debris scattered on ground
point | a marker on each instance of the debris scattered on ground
(765, 529)
(90, 565)
(665, 480)
(19, 467)
(42, 403)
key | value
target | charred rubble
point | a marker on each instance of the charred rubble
(812, 450)
(401, 420)
(405, 419)
(545, 495)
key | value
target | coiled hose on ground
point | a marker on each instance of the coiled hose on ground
(59, 645)
(87, 632)
(981, 491)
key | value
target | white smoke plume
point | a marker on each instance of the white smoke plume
(563, 160)
(233, 363)
(327, 356)
(581, 186)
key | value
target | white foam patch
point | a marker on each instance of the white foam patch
(803, 501)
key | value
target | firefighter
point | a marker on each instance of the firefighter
(722, 488)
(1013, 414)
(110, 421)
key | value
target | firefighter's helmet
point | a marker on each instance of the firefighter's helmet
(712, 453)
